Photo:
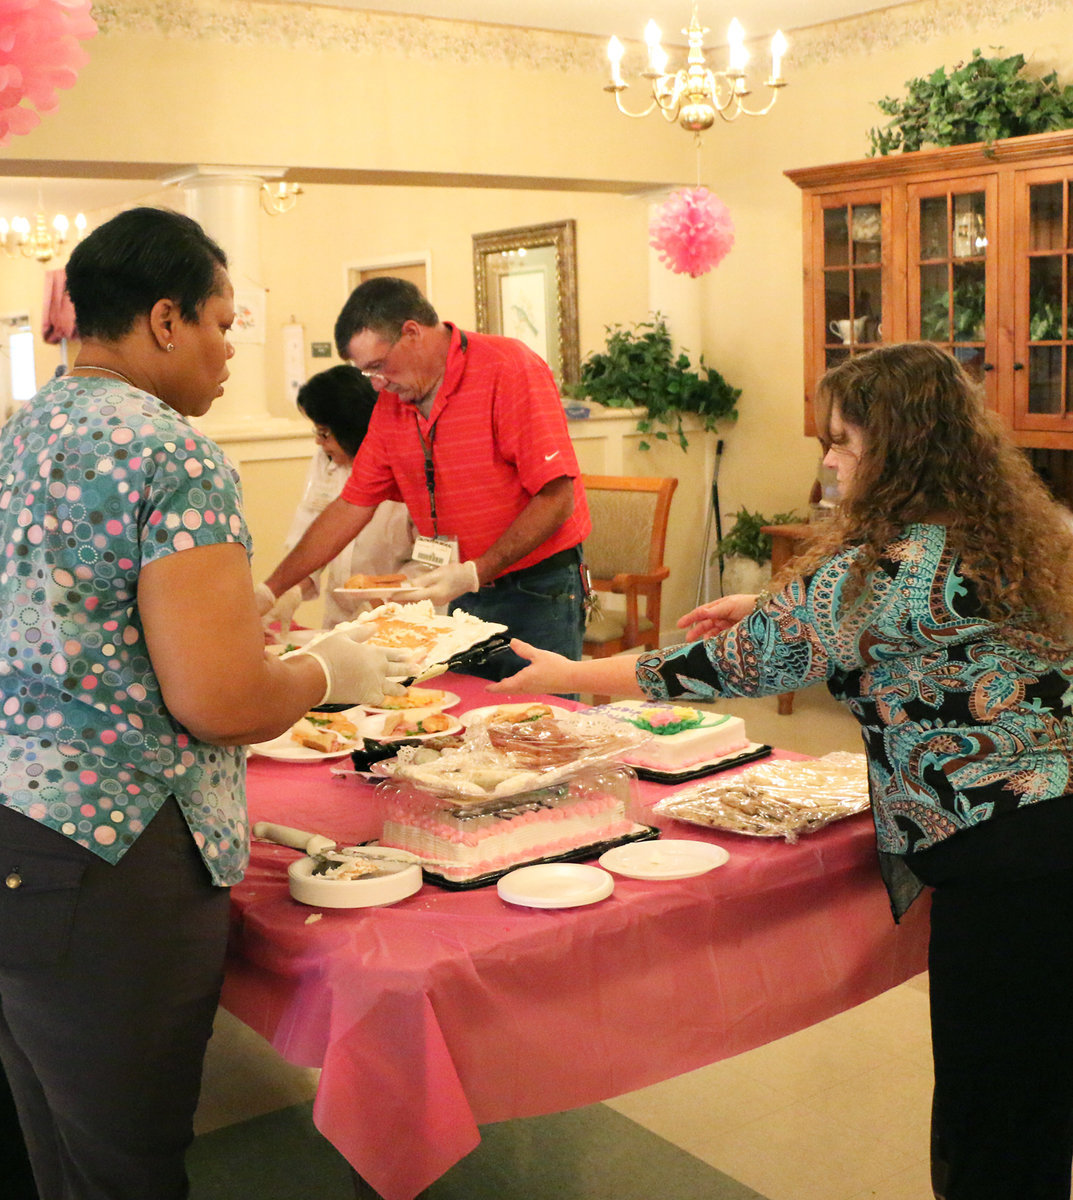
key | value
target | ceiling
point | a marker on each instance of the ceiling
(600, 18)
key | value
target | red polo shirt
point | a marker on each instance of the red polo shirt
(497, 434)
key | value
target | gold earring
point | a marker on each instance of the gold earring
(170, 347)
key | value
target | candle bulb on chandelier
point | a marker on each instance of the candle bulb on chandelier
(657, 56)
(739, 56)
(615, 51)
(778, 49)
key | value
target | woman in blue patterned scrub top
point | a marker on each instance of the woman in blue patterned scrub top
(939, 609)
(132, 674)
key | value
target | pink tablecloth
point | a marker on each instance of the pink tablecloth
(452, 1009)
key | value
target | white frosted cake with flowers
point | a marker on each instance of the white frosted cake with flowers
(465, 841)
(682, 736)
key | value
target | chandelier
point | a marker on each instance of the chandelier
(695, 93)
(38, 239)
(279, 198)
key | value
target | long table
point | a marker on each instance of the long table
(452, 1009)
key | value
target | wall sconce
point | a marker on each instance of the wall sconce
(279, 198)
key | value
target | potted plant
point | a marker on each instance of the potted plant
(745, 551)
(979, 101)
(639, 369)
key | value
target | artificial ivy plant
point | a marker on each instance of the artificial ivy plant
(979, 101)
(639, 368)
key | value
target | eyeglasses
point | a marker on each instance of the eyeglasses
(375, 370)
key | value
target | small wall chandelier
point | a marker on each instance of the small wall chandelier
(694, 94)
(38, 239)
(278, 198)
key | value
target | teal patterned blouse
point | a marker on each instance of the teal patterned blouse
(96, 480)
(961, 720)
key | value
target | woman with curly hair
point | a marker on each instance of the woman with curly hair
(939, 608)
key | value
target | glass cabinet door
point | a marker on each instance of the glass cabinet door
(1044, 330)
(853, 255)
(951, 288)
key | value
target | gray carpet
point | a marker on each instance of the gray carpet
(591, 1153)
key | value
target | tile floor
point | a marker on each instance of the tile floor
(836, 1112)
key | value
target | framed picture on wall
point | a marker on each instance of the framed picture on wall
(526, 285)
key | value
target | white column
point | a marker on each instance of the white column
(225, 201)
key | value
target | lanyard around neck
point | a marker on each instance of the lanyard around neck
(426, 447)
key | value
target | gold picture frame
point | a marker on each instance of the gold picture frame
(526, 286)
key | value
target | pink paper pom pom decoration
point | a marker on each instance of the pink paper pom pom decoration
(39, 53)
(692, 231)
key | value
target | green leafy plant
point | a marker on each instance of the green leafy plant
(746, 538)
(969, 298)
(640, 369)
(1045, 321)
(979, 101)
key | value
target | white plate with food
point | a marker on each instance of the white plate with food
(370, 885)
(513, 714)
(375, 587)
(555, 885)
(316, 737)
(408, 724)
(433, 699)
(293, 639)
(667, 858)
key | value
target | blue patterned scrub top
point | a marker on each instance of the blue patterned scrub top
(96, 480)
(961, 720)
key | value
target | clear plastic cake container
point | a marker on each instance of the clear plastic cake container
(473, 842)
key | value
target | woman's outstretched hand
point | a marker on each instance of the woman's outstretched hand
(546, 672)
(715, 616)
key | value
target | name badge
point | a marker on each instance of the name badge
(435, 552)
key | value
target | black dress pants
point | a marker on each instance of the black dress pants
(109, 981)
(1001, 978)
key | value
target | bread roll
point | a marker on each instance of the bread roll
(376, 581)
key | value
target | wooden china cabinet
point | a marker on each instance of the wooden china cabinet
(967, 246)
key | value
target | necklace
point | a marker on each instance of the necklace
(107, 371)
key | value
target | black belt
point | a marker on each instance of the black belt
(561, 558)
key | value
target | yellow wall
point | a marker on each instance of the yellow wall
(411, 135)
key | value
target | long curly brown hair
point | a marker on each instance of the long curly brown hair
(934, 453)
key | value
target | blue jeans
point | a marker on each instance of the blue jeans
(543, 607)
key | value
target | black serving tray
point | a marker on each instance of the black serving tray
(645, 833)
(723, 764)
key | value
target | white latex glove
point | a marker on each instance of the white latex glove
(441, 585)
(264, 597)
(285, 606)
(357, 673)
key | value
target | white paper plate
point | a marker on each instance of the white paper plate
(398, 881)
(373, 727)
(296, 637)
(284, 749)
(375, 593)
(449, 701)
(666, 858)
(555, 885)
(482, 714)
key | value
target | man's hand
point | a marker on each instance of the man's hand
(441, 585)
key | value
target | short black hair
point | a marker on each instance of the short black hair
(143, 255)
(383, 304)
(342, 400)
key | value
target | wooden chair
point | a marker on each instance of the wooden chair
(624, 554)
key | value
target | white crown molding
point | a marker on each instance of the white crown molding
(253, 22)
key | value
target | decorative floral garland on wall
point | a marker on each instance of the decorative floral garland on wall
(39, 53)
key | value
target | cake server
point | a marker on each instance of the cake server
(315, 844)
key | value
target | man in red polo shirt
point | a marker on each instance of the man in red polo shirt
(469, 432)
